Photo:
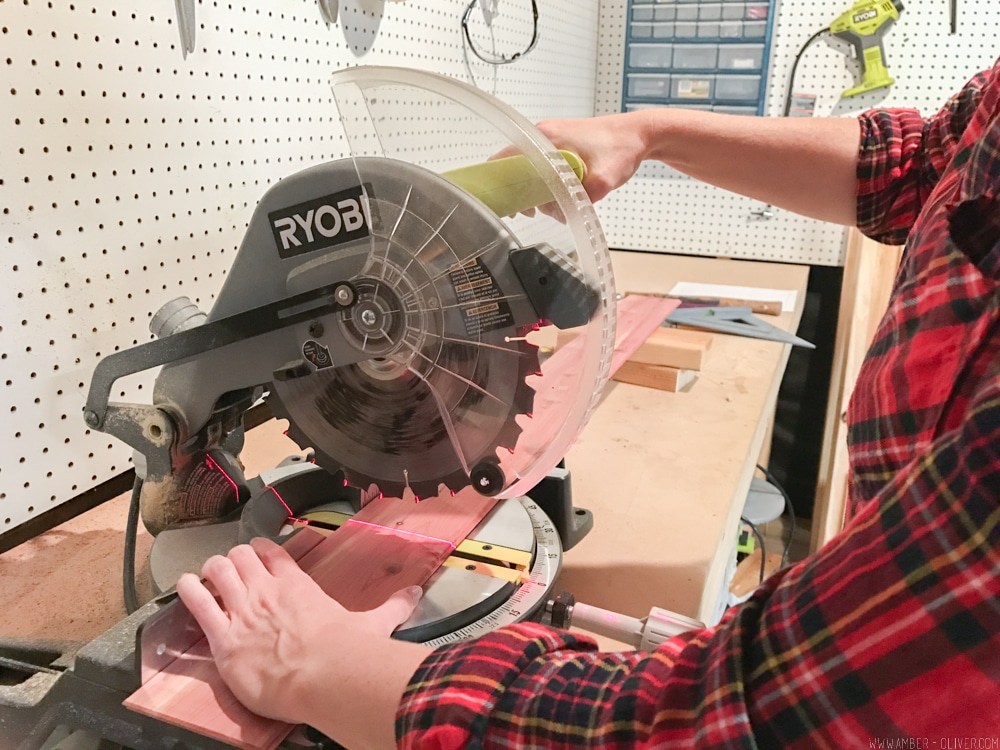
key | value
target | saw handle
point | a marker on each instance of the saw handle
(509, 185)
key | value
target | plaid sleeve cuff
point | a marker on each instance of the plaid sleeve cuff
(452, 694)
(889, 195)
(902, 156)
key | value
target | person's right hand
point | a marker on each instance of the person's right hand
(277, 638)
(612, 147)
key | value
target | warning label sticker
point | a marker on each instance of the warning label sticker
(479, 298)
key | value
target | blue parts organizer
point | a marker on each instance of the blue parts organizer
(698, 54)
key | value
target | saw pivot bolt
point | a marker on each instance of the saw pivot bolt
(344, 294)
(487, 478)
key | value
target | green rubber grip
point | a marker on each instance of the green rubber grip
(509, 185)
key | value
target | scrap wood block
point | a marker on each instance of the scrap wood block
(389, 545)
(655, 376)
(669, 347)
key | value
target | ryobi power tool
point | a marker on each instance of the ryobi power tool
(865, 26)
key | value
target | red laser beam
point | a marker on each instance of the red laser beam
(214, 466)
(402, 531)
(291, 516)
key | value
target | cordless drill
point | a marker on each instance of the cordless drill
(864, 26)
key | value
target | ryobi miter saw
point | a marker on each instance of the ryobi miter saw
(383, 304)
(386, 305)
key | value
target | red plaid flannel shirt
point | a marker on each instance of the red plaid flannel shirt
(890, 635)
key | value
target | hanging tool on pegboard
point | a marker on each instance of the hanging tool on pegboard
(953, 8)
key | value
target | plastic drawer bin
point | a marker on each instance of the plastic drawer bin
(755, 29)
(756, 11)
(710, 12)
(643, 13)
(732, 110)
(730, 12)
(663, 30)
(665, 13)
(649, 85)
(692, 88)
(642, 30)
(728, 30)
(687, 13)
(708, 30)
(650, 55)
(695, 56)
(737, 88)
(741, 56)
(686, 30)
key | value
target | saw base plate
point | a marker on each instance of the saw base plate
(500, 575)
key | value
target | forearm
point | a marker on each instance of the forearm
(808, 166)
(357, 690)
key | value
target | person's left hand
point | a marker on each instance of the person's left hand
(276, 635)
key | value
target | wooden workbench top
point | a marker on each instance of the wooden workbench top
(665, 474)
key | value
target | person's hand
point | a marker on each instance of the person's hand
(275, 635)
(612, 147)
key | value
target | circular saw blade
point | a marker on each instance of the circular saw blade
(436, 309)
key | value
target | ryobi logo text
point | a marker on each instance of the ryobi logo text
(866, 15)
(320, 223)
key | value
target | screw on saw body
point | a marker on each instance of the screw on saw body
(368, 317)
(316, 329)
(343, 294)
(91, 419)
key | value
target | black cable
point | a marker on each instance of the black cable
(128, 561)
(788, 507)
(760, 543)
(795, 65)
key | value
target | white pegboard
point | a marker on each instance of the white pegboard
(660, 210)
(130, 173)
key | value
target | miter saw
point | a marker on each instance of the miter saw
(384, 308)
(386, 305)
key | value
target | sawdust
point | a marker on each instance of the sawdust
(65, 585)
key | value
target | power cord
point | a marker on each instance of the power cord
(493, 58)
(788, 507)
(760, 543)
(795, 65)
(128, 560)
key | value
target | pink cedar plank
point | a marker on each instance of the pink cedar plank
(389, 545)
(191, 694)
(174, 630)
(638, 316)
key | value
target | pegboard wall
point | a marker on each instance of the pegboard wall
(662, 210)
(130, 172)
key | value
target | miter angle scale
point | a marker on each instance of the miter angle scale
(738, 321)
